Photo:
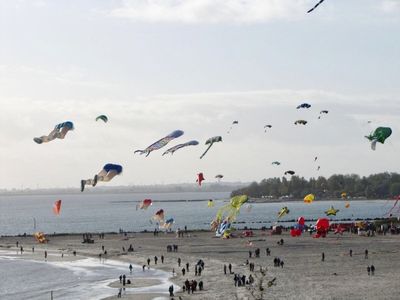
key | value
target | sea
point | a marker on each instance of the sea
(89, 278)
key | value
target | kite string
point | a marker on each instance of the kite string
(206, 151)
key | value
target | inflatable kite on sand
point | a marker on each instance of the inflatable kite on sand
(40, 237)
(160, 143)
(298, 228)
(59, 132)
(322, 227)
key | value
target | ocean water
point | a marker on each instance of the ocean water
(82, 279)
(110, 212)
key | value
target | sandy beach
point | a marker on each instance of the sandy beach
(303, 276)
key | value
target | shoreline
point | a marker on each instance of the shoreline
(304, 276)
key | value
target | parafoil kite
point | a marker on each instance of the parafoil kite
(233, 123)
(210, 203)
(302, 122)
(144, 204)
(159, 215)
(59, 132)
(303, 105)
(200, 178)
(267, 126)
(103, 118)
(309, 198)
(315, 6)
(211, 142)
(160, 143)
(173, 149)
(290, 172)
(379, 135)
(57, 207)
(40, 237)
(219, 177)
(275, 163)
(283, 211)
(331, 211)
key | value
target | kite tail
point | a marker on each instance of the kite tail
(206, 151)
(139, 151)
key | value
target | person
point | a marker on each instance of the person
(130, 268)
(33, 249)
(179, 261)
(323, 256)
(22, 249)
(59, 132)
(225, 269)
(155, 260)
(282, 263)
(368, 270)
(195, 270)
(372, 270)
(250, 254)
(120, 278)
(119, 293)
(187, 267)
(162, 259)
(199, 271)
(108, 172)
(45, 255)
(171, 290)
(366, 253)
(230, 268)
(201, 285)
(143, 267)
(123, 279)
(183, 271)
(148, 261)
(351, 253)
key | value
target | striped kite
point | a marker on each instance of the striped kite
(160, 143)
(177, 147)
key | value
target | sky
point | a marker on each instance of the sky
(154, 66)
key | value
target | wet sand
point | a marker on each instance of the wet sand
(304, 275)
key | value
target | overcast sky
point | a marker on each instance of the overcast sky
(154, 66)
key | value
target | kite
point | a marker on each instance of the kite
(379, 135)
(40, 237)
(339, 230)
(275, 163)
(210, 203)
(315, 158)
(160, 143)
(210, 142)
(267, 126)
(303, 105)
(59, 132)
(159, 215)
(331, 211)
(103, 118)
(309, 198)
(173, 149)
(302, 122)
(57, 207)
(168, 223)
(108, 172)
(343, 195)
(290, 172)
(319, 167)
(347, 205)
(323, 112)
(322, 227)
(315, 6)
(283, 211)
(228, 213)
(144, 204)
(298, 228)
(200, 178)
(219, 177)
(224, 229)
(233, 123)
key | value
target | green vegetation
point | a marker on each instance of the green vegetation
(376, 186)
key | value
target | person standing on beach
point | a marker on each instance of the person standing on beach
(225, 269)
(130, 268)
(368, 270)
(230, 268)
(183, 271)
(250, 254)
(187, 267)
(323, 256)
(120, 278)
(143, 267)
(179, 261)
(366, 253)
(123, 280)
(351, 253)
(195, 270)
(171, 290)
(162, 259)
(45, 255)
(372, 270)
(155, 260)
(148, 261)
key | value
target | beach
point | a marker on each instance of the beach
(303, 276)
